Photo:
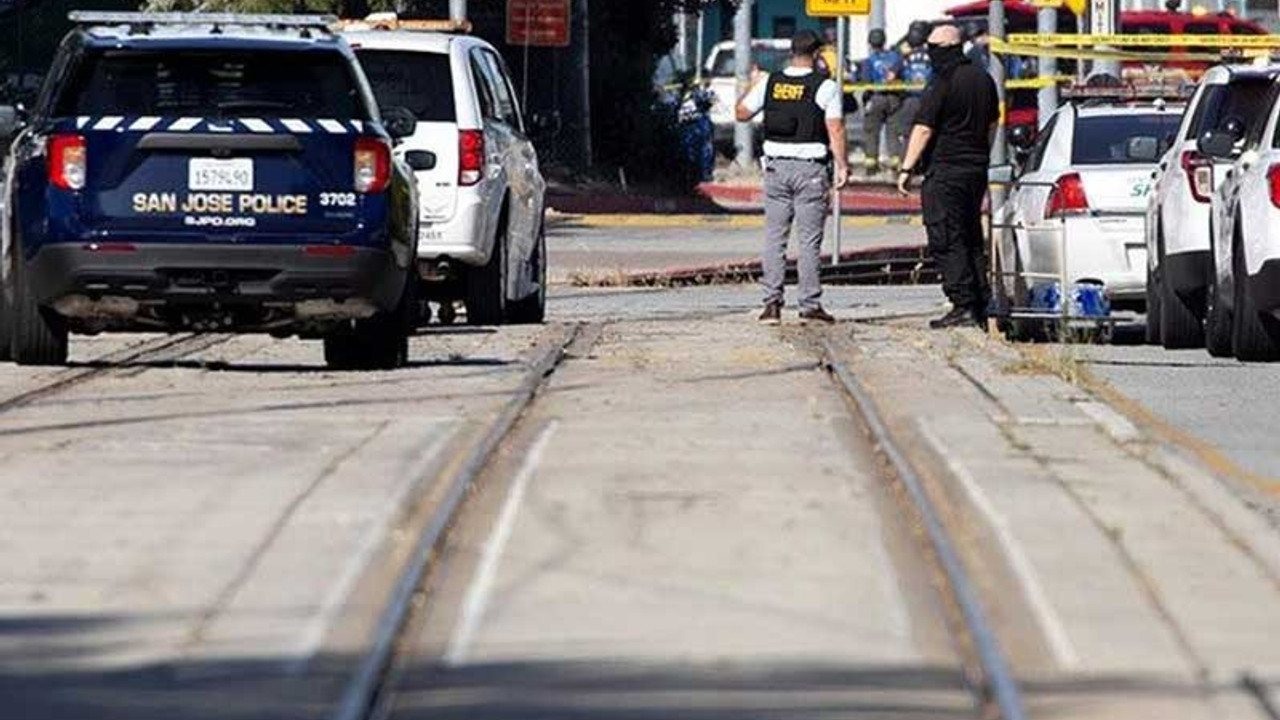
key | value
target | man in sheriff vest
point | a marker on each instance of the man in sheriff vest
(804, 136)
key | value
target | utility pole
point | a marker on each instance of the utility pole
(1104, 19)
(999, 152)
(842, 45)
(1047, 98)
(458, 10)
(743, 132)
(877, 19)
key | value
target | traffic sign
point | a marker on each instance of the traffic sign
(837, 8)
(538, 23)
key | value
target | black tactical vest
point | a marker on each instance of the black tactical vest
(791, 112)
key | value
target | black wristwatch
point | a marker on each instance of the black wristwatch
(906, 171)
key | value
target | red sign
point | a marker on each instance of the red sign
(540, 23)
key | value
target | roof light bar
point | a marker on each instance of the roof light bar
(83, 17)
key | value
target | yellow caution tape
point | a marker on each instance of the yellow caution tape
(1155, 58)
(1021, 84)
(1225, 42)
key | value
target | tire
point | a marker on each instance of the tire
(1252, 338)
(378, 343)
(1022, 330)
(1217, 321)
(6, 337)
(1180, 329)
(486, 286)
(1152, 331)
(532, 310)
(37, 335)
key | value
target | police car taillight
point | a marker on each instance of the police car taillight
(1199, 170)
(1273, 184)
(372, 165)
(67, 158)
(470, 156)
(1067, 196)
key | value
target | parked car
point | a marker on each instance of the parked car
(199, 173)
(1243, 308)
(1087, 176)
(766, 56)
(481, 237)
(1178, 225)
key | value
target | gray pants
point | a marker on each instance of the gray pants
(880, 108)
(901, 122)
(794, 190)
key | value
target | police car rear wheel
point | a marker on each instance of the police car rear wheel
(379, 343)
(1152, 331)
(5, 334)
(532, 310)
(1252, 338)
(1217, 321)
(486, 289)
(38, 336)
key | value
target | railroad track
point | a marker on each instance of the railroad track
(124, 360)
(368, 683)
(994, 683)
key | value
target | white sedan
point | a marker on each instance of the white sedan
(1083, 187)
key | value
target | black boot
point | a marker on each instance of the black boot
(961, 316)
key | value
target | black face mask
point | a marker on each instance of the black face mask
(945, 57)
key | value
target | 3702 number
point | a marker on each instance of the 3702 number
(337, 199)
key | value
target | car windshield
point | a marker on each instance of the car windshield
(222, 84)
(1106, 140)
(421, 82)
(767, 59)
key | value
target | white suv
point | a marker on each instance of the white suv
(1178, 221)
(481, 193)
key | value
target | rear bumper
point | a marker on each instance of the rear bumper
(1264, 287)
(463, 238)
(1187, 272)
(218, 275)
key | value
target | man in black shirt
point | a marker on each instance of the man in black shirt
(951, 145)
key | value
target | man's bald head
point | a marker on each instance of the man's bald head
(945, 35)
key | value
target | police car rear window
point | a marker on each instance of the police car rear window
(421, 82)
(228, 84)
(1105, 140)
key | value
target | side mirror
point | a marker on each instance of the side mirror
(10, 121)
(1000, 175)
(1218, 144)
(420, 160)
(1143, 148)
(400, 122)
(1022, 137)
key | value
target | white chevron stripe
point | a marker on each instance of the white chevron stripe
(359, 126)
(184, 124)
(143, 124)
(108, 123)
(333, 126)
(81, 122)
(256, 125)
(297, 126)
(220, 126)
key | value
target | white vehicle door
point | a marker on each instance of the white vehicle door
(518, 166)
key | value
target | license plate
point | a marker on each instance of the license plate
(234, 175)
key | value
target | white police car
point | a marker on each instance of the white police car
(1243, 308)
(1086, 176)
(1177, 224)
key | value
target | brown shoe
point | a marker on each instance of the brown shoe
(772, 314)
(817, 315)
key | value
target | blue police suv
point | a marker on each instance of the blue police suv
(199, 173)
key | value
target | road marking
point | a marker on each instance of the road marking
(734, 221)
(332, 604)
(1055, 633)
(477, 597)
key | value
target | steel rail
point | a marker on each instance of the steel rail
(999, 681)
(360, 696)
(107, 363)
